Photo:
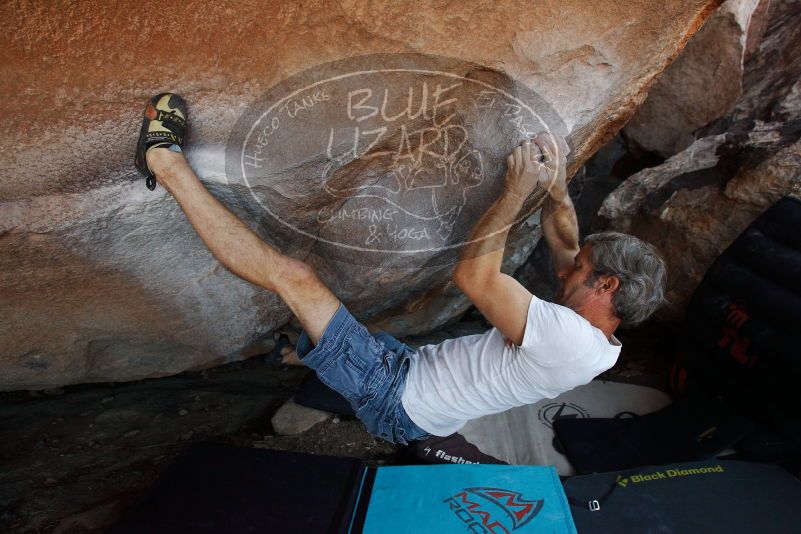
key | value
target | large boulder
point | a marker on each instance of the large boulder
(697, 202)
(702, 85)
(102, 279)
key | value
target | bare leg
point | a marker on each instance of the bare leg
(242, 251)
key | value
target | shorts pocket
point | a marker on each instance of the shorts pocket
(383, 374)
(355, 363)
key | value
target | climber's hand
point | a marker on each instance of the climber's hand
(538, 163)
(553, 175)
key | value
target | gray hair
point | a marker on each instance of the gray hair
(638, 267)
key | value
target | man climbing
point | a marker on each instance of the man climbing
(536, 349)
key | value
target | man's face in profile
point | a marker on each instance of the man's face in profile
(573, 288)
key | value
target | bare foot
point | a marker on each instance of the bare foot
(290, 356)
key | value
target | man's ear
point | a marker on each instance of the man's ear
(607, 284)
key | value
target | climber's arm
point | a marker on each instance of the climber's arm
(498, 296)
(501, 298)
(560, 226)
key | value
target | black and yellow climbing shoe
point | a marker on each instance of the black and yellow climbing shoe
(163, 125)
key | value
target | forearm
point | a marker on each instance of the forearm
(484, 251)
(229, 239)
(560, 227)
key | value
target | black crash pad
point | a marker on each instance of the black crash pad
(710, 497)
(220, 489)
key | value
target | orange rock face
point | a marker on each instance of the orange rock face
(102, 279)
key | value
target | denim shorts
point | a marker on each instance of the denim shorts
(368, 370)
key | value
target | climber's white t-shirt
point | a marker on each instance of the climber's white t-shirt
(467, 377)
